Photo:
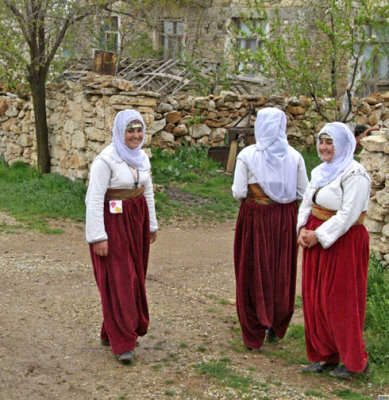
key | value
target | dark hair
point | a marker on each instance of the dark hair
(359, 129)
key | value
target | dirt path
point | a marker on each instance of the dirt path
(50, 319)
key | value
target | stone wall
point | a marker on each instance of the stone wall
(375, 157)
(81, 114)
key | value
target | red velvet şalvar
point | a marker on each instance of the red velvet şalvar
(121, 276)
(265, 257)
(334, 298)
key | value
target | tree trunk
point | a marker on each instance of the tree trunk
(38, 91)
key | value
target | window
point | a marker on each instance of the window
(172, 38)
(247, 44)
(109, 34)
(376, 57)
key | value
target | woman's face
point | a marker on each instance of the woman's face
(326, 149)
(133, 137)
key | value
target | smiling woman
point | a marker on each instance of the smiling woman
(326, 148)
(335, 256)
(120, 225)
(133, 135)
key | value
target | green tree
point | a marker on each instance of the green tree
(310, 55)
(31, 34)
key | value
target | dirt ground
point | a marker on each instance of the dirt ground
(50, 319)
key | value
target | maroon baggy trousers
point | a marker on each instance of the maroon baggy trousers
(334, 298)
(265, 258)
(121, 275)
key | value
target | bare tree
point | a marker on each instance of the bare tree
(31, 34)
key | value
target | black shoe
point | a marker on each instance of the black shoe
(104, 342)
(254, 350)
(343, 373)
(316, 367)
(271, 336)
(126, 358)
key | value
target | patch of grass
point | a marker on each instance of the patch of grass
(7, 229)
(183, 345)
(220, 371)
(201, 349)
(32, 198)
(293, 346)
(376, 322)
(311, 159)
(298, 303)
(194, 185)
(170, 392)
(349, 394)
(315, 393)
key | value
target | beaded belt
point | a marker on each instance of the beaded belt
(255, 193)
(323, 214)
(123, 194)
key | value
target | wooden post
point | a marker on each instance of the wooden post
(232, 156)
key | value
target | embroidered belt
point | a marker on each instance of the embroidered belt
(323, 214)
(255, 193)
(123, 194)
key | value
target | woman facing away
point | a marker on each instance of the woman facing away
(270, 177)
(335, 256)
(120, 225)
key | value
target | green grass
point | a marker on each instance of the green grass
(223, 374)
(32, 198)
(350, 395)
(315, 393)
(311, 159)
(192, 185)
(376, 322)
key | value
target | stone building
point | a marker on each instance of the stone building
(204, 30)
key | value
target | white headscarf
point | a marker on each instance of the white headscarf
(274, 163)
(344, 147)
(134, 157)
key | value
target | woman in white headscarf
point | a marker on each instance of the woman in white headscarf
(270, 177)
(120, 225)
(336, 256)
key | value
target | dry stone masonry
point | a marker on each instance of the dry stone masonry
(81, 114)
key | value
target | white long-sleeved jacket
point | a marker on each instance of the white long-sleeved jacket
(348, 194)
(243, 177)
(109, 171)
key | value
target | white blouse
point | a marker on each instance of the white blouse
(348, 194)
(109, 171)
(243, 177)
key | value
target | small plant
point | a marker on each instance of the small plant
(196, 119)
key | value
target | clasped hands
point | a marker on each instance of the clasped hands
(307, 238)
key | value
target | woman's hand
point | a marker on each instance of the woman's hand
(101, 248)
(153, 237)
(300, 240)
(309, 238)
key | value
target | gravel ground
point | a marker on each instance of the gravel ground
(50, 319)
